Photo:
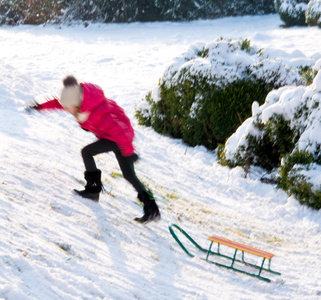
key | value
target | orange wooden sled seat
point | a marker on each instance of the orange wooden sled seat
(241, 247)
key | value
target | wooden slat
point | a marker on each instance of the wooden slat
(242, 247)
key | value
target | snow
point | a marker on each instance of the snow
(286, 101)
(316, 86)
(314, 9)
(225, 61)
(55, 245)
(292, 7)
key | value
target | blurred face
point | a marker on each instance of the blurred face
(73, 110)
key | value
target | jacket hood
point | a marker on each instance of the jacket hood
(93, 96)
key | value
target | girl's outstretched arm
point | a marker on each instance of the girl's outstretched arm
(50, 104)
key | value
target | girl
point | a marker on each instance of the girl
(103, 117)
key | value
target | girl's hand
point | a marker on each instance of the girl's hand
(31, 106)
(132, 158)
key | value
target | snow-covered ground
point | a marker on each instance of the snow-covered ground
(55, 245)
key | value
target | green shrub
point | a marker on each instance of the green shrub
(289, 161)
(308, 74)
(43, 11)
(30, 11)
(292, 12)
(294, 181)
(82, 10)
(143, 115)
(266, 149)
(313, 13)
(168, 10)
(274, 148)
(283, 135)
(199, 112)
(220, 111)
(207, 93)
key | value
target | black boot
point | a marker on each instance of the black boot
(93, 186)
(151, 211)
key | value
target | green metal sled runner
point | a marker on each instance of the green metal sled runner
(238, 247)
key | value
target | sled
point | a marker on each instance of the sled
(234, 260)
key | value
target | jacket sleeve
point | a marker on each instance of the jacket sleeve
(51, 104)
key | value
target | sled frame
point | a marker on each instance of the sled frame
(237, 246)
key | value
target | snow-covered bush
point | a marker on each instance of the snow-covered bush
(205, 94)
(171, 10)
(43, 11)
(313, 13)
(180, 10)
(300, 176)
(82, 10)
(106, 11)
(287, 125)
(265, 144)
(292, 12)
(30, 11)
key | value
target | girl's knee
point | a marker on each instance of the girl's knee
(85, 152)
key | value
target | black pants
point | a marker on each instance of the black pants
(125, 165)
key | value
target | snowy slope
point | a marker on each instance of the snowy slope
(55, 245)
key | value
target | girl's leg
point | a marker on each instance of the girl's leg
(92, 174)
(95, 148)
(151, 211)
(126, 166)
(128, 171)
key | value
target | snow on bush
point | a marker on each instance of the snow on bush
(288, 124)
(44, 11)
(225, 61)
(30, 12)
(292, 12)
(297, 104)
(313, 13)
(207, 92)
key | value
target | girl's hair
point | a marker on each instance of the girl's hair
(70, 81)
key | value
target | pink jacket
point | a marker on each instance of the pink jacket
(104, 117)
